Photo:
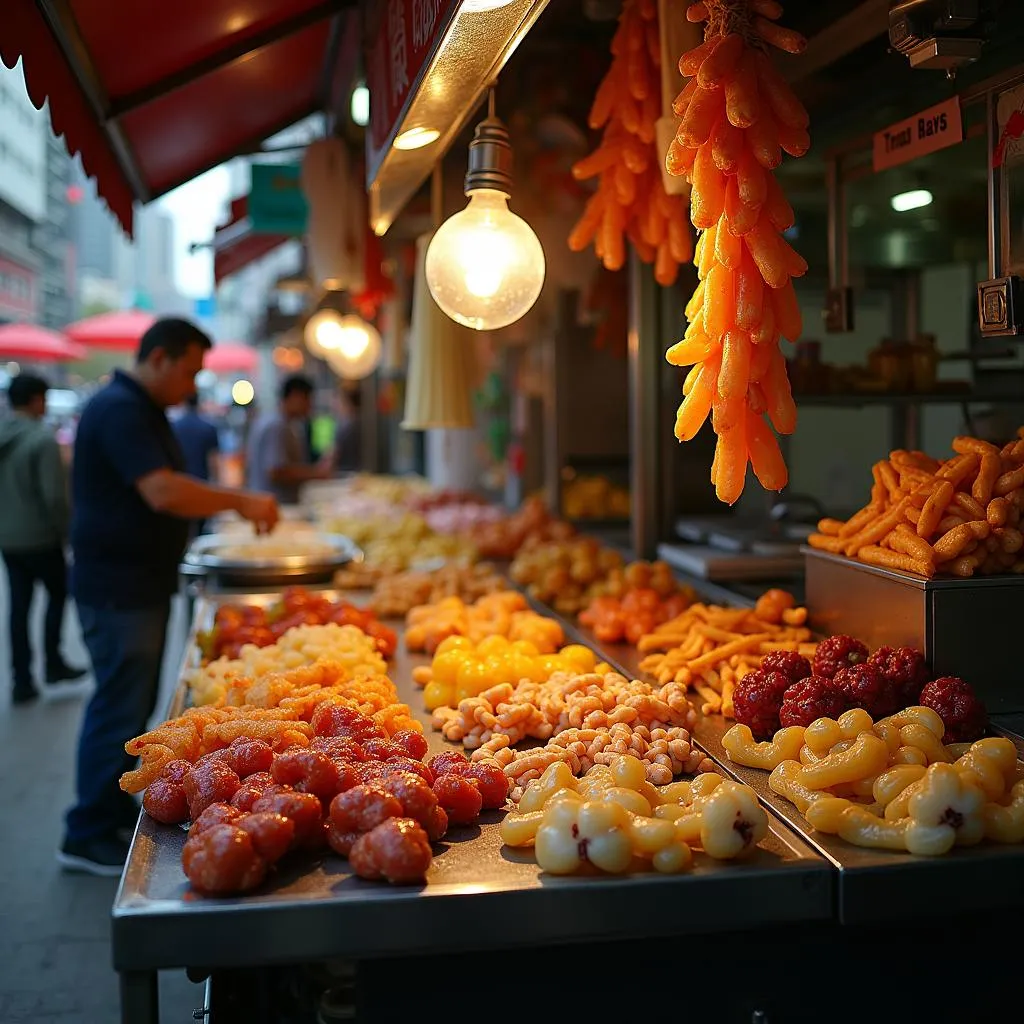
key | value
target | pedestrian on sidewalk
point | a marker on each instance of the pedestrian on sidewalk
(33, 532)
(132, 501)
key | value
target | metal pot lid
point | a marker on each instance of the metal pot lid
(219, 551)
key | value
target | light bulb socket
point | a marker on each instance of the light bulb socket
(490, 158)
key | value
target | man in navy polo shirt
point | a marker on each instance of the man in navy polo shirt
(132, 502)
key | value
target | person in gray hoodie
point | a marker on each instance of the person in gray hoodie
(34, 518)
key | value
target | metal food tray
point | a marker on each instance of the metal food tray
(317, 909)
(202, 560)
(873, 885)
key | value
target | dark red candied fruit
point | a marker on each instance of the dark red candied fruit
(459, 797)
(381, 750)
(363, 808)
(446, 761)
(863, 686)
(904, 669)
(956, 703)
(838, 652)
(414, 743)
(338, 748)
(490, 780)
(215, 814)
(308, 771)
(811, 698)
(272, 835)
(340, 840)
(757, 699)
(165, 801)
(397, 850)
(792, 665)
(436, 824)
(207, 784)
(303, 809)
(336, 720)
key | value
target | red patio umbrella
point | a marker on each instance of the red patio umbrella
(119, 331)
(231, 357)
(38, 345)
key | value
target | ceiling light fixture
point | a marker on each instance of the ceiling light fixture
(416, 138)
(482, 6)
(485, 266)
(912, 200)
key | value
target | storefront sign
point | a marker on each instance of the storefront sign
(933, 129)
(277, 205)
(17, 291)
(404, 34)
(1009, 148)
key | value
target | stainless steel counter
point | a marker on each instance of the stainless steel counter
(315, 909)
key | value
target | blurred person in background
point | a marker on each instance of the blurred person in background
(132, 500)
(34, 517)
(200, 444)
(277, 456)
(348, 437)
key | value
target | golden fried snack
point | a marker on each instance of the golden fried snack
(960, 517)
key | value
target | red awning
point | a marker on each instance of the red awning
(38, 345)
(154, 94)
(236, 245)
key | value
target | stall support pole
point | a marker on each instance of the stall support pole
(140, 1002)
(644, 439)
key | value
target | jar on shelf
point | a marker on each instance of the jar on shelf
(924, 363)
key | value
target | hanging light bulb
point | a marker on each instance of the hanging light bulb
(485, 265)
(349, 345)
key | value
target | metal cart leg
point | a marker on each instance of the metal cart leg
(140, 999)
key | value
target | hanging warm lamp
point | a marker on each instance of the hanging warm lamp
(441, 361)
(346, 342)
(485, 265)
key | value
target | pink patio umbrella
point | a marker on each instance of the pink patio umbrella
(38, 345)
(119, 331)
(231, 357)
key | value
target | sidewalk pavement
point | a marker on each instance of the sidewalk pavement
(55, 960)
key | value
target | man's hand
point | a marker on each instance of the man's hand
(260, 509)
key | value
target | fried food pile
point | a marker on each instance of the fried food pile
(738, 116)
(961, 516)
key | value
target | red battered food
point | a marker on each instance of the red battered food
(341, 841)
(165, 801)
(215, 814)
(459, 797)
(310, 771)
(397, 850)
(245, 756)
(956, 703)
(414, 743)
(402, 763)
(436, 824)
(811, 698)
(209, 783)
(838, 652)
(492, 782)
(363, 808)
(337, 748)
(304, 810)
(447, 761)
(252, 789)
(381, 750)
(417, 798)
(272, 835)
(335, 720)
(222, 860)
(175, 771)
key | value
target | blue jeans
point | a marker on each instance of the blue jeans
(126, 649)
